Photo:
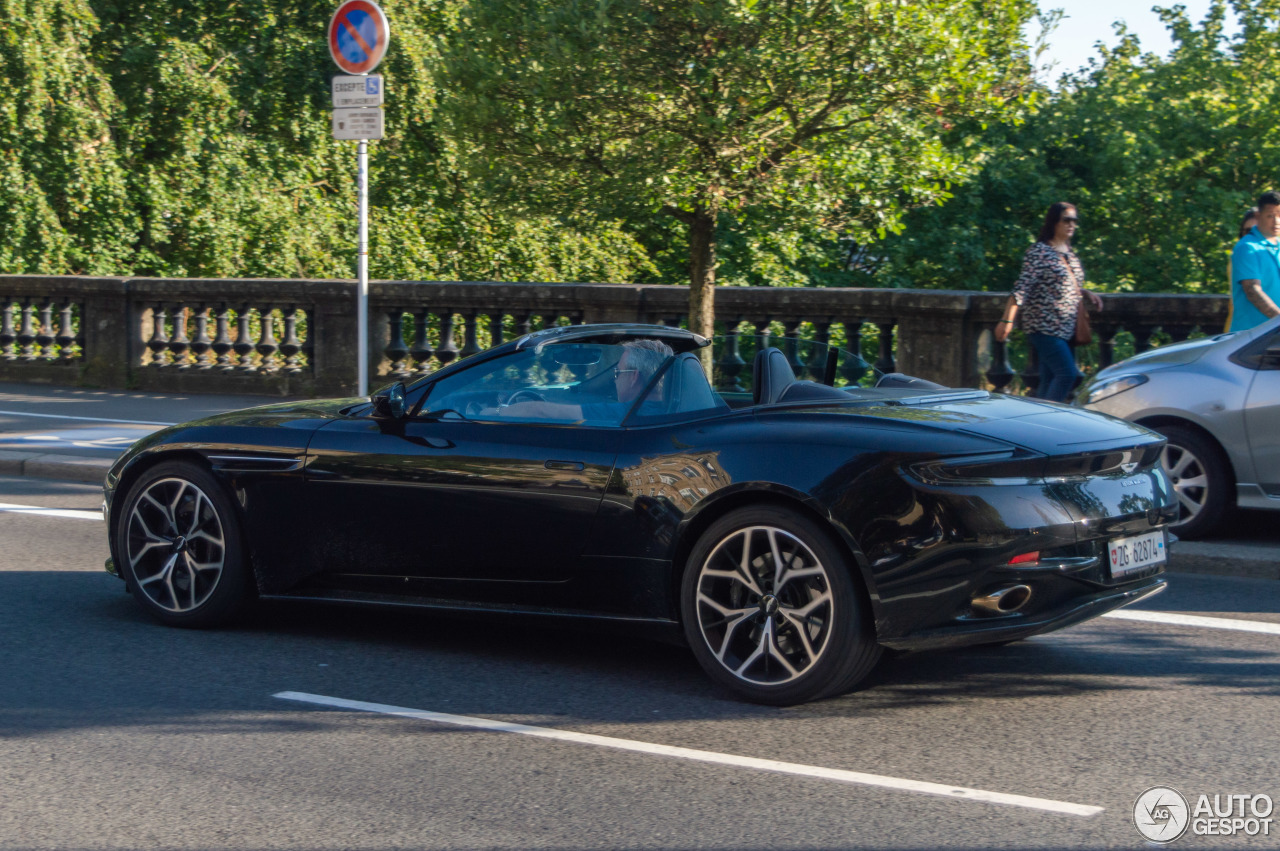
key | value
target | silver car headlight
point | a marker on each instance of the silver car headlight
(1109, 387)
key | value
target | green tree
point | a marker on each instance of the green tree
(803, 112)
(1162, 155)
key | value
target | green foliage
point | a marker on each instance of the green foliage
(812, 116)
(191, 138)
(1162, 156)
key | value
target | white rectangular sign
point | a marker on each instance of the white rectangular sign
(358, 123)
(366, 90)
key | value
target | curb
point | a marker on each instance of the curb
(76, 468)
(1210, 558)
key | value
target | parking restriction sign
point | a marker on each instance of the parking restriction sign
(358, 36)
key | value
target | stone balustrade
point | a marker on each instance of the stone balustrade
(298, 337)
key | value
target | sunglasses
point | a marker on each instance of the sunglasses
(618, 373)
(1071, 220)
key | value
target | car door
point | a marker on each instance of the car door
(452, 499)
(1262, 423)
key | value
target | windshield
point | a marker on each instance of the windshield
(732, 358)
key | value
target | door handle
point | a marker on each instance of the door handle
(574, 466)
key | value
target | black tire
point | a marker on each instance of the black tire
(768, 637)
(1201, 478)
(179, 546)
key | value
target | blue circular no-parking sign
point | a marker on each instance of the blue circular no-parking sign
(358, 36)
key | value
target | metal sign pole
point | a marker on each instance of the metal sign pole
(362, 312)
(358, 37)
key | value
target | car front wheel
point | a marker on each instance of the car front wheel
(772, 610)
(179, 544)
(1198, 472)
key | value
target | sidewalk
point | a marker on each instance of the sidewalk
(73, 434)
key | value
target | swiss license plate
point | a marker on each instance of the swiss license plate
(1136, 552)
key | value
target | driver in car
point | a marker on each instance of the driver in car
(640, 360)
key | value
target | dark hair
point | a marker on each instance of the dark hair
(1052, 218)
(1269, 199)
(1251, 213)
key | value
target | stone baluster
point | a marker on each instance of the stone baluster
(66, 338)
(179, 343)
(791, 346)
(496, 328)
(447, 351)
(421, 351)
(731, 364)
(1179, 333)
(397, 350)
(1000, 372)
(243, 346)
(817, 364)
(222, 339)
(268, 346)
(471, 346)
(1031, 371)
(524, 323)
(1144, 340)
(291, 346)
(884, 361)
(159, 342)
(1106, 335)
(48, 334)
(8, 334)
(201, 345)
(854, 368)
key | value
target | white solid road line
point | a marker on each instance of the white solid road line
(73, 513)
(1195, 620)
(82, 419)
(840, 775)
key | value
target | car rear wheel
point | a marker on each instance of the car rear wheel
(772, 610)
(179, 544)
(1198, 472)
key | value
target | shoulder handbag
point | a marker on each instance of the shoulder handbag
(1083, 335)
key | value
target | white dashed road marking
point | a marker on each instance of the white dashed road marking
(815, 771)
(81, 419)
(1195, 620)
(74, 514)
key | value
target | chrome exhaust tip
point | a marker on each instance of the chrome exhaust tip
(1002, 601)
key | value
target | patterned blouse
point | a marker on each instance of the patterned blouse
(1047, 295)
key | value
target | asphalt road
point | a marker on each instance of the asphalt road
(116, 732)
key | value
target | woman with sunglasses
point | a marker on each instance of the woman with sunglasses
(1046, 301)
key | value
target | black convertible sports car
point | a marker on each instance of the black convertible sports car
(786, 529)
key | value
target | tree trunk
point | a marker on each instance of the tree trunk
(702, 278)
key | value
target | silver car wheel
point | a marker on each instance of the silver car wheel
(1190, 480)
(175, 545)
(764, 605)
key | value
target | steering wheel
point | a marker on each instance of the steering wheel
(525, 395)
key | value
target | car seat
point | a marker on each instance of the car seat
(687, 387)
(771, 375)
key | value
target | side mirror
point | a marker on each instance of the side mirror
(388, 404)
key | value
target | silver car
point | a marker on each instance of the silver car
(1217, 400)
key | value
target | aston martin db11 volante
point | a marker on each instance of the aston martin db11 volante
(787, 529)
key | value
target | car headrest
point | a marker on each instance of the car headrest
(771, 375)
(898, 379)
(689, 389)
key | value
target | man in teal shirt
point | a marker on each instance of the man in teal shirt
(1255, 268)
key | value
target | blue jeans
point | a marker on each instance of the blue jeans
(1058, 373)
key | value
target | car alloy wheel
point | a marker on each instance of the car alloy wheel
(1198, 472)
(179, 543)
(764, 605)
(772, 611)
